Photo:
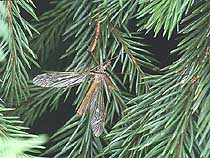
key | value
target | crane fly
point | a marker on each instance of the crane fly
(94, 96)
(96, 38)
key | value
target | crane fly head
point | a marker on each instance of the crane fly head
(101, 68)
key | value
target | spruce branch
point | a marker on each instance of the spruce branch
(35, 107)
(170, 120)
(133, 56)
(19, 55)
(167, 14)
(117, 11)
(15, 142)
(51, 26)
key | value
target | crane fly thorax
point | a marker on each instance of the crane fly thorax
(100, 76)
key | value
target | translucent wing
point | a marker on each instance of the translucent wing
(97, 111)
(59, 79)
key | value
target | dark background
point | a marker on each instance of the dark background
(51, 121)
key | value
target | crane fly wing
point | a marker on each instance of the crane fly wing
(97, 112)
(59, 79)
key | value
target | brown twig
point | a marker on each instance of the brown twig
(9, 10)
(116, 32)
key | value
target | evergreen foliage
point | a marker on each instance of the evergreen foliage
(162, 115)
(16, 47)
(14, 141)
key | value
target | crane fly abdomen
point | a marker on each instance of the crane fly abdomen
(97, 110)
(86, 99)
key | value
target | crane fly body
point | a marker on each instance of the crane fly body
(96, 107)
(94, 94)
(96, 98)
